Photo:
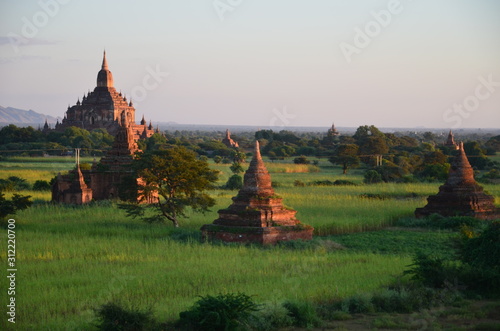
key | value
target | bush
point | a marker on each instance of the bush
(41, 185)
(271, 317)
(372, 177)
(113, 317)
(360, 303)
(222, 312)
(14, 183)
(217, 159)
(299, 183)
(431, 271)
(301, 160)
(303, 314)
(235, 182)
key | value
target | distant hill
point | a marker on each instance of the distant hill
(23, 117)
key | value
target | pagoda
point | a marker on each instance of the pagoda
(450, 141)
(460, 195)
(105, 108)
(257, 214)
(228, 141)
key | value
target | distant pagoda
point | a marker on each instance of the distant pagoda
(460, 195)
(257, 213)
(228, 141)
(450, 141)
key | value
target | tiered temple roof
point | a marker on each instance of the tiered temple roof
(257, 214)
(460, 195)
(104, 107)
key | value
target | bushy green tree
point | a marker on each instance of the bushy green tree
(10, 207)
(179, 178)
(346, 155)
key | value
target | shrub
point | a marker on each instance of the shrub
(344, 182)
(433, 271)
(113, 317)
(235, 182)
(14, 183)
(217, 159)
(360, 303)
(301, 160)
(41, 185)
(372, 177)
(271, 317)
(299, 183)
(303, 314)
(221, 312)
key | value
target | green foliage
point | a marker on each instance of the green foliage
(217, 159)
(483, 251)
(303, 314)
(113, 317)
(41, 185)
(338, 182)
(301, 160)
(222, 312)
(236, 168)
(235, 182)
(270, 317)
(372, 177)
(360, 303)
(10, 207)
(179, 178)
(299, 183)
(432, 271)
(346, 155)
(14, 183)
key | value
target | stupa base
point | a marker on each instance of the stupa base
(261, 235)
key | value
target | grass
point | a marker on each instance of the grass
(73, 259)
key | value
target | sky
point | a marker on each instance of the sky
(266, 63)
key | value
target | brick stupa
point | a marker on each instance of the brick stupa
(460, 195)
(257, 214)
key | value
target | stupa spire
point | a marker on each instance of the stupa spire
(104, 62)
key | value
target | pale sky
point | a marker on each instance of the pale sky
(261, 62)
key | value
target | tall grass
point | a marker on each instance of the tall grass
(73, 259)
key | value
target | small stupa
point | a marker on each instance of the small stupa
(228, 141)
(460, 195)
(257, 214)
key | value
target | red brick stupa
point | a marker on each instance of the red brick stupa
(257, 213)
(460, 195)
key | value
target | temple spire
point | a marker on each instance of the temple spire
(257, 155)
(104, 62)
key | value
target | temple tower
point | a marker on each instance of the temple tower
(460, 195)
(257, 214)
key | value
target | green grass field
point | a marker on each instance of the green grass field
(72, 259)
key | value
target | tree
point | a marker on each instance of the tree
(180, 180)
(10, 207)
(346, 155)
(301, 160)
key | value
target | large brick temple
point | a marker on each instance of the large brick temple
(461, 195)
(110, 178)
(106, 108)
(257, 214)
